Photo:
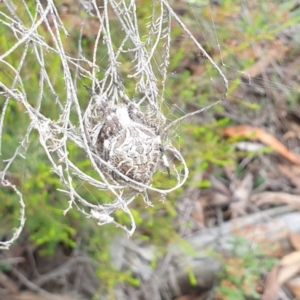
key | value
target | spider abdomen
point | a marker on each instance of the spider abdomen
(127, 142)
(134, 152)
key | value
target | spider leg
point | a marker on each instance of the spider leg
(114, 175)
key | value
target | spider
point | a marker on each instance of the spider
(130, 142)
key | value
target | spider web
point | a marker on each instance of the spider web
(239, 67)
(263, 81)
(116, 65)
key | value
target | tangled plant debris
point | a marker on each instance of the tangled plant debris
(125, 139)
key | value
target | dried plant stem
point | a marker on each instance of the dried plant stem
(40, 35)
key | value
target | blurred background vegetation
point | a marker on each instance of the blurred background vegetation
(254, 43)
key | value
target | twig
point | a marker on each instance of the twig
(63, 270)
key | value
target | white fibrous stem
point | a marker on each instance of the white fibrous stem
(124, 140)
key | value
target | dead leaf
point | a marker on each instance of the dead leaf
(276, 198)
(220, 193)
(271, 286)
(292, 173)
(240, 195)
(264, 137)
(8, 284)
(289, 266)
(198, 213)
(27, 296)
(218, 186)
(294, 286)
(33, 296)
(218, 199)
(290, 259)
(294, 239)
(287, 272)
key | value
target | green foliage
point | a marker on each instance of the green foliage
(241, 270)
(199, 139)
(207, 146)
